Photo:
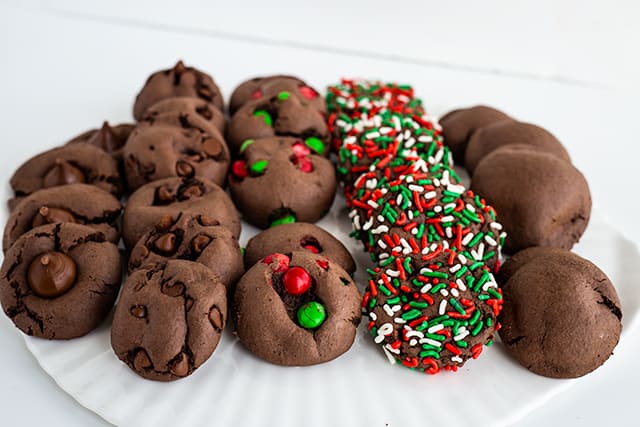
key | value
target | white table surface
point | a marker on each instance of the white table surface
(65, 66)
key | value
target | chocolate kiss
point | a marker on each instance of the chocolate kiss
(106, 139)
(63, 173)
(51, 274)
(47, 215)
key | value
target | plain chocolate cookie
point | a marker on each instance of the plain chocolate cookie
(59, 281)
(187, 106)
(493, 136)
(108, 138)
(298, 236)
(177, 81)
(169, 319)
(281, 180)
(189, 237)
(266, 87)
(175, 144)
(175, 196)
(458, 125)
(519, 259)
(561, 316)
(542, 199)
(297, 309)
(279, 115)
(76, 203)
(69, 164)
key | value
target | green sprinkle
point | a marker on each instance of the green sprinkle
(411, 314)
(475, 317)
(476, 239)
(417, 304)
(476, 265)
(461, 343)
(489, 343)
(437, 288)
(265, 116)
(494, 293)
(437, 274)
(436, 337)
(456, 305)
(259, 167)
(429, 353)
(283, 96)
(477, 329)
(384, 290)
(393, 301)
(489, 322)
(245, 144)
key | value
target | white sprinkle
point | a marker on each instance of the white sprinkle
(391, 349)
(350, 140)
(412, 333)
(455, 292)
(386, 328)
(430, 342)
(496, 225)
(443, 307)
(467, 239)
(439, 156)
(456, 359)
(461, 285)
(413, 342)
(392, 273)
(470, 207)
(367, 225)
(385, 130)
(356, 222)
(437, 208)
(388, 310)
(455, 268)
(426, 288)
(447, 218)
(462, 258)
(382, 244)
(490, 240)
(380, 229)
(399, 320)
(353, 213)
(461, 335)
(378, 339)
(425, 138)
(372, 135)
(429, 195)
(373, 204)
(475, 255)
(373, 316)
(410, 215)
(416, 188)
(444, 292)
(435, 328)
(433, 246)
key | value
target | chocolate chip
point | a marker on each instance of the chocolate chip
(51, 274)
(139, 311)
(184, 169)
(188, 303)
(165, 244)
(211, 147)
(207, 221)
(139, 253)
(174, 289)
(47, 215)
(216, 318)
(205, 92)
(199, 243)
(205, 112)
(164, 195)
(180, 365)
(62, 173)
(141, 360)
(191, 192)
(164, 222)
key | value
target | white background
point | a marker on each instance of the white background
(570, 66)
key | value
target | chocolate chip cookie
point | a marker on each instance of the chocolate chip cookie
(187, 106)
(108, 138)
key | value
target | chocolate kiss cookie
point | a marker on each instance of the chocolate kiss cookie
(80, 163)
(459, 125)
(280, 180)
(177, 81)
(491, 137)
(173, 196)
(266, 87)
(561, 316)
(296, 310)
(189, 237)
(187, 106)
(175, 144)
(298, 236)
(169, 319)
(108, 138)
(279, 115)
(436, 316)
(59, 281)
(543, 200)
(76, 203)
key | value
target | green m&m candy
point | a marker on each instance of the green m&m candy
(265, 116)
(259, 167)
(245, 144)
(311, 315)
(287, 219)
(315, 144)
(283, 96)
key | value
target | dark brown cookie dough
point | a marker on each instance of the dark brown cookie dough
(458, 125)
(543, 200)
(519, 259)
(177, 81)
(491, 137)
(69, 164)
(76, 203)
(298, 236)
(188, 237)
(108, 138)
(173, 196)
(175, 144)
(279, 115)
(561, 315)
(187, 106)
(296, 310)
(266, 87)
(59, 281)
(169, 319)
(281, 180)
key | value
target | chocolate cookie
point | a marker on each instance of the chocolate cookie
(542, 199)
(296, 310)
(280, 180)
(491, 137)
(296, 237)
(519, 259)
(561, 316)
(177, 81)
(108, 138)
(187, 106)
(436, 316)
(76, 203)
(266, 87)
(169, 319)
(459, 125)
(59, 281)
(79, 163)
(188, 237)
(279, 115)
(173, 196)
(175, 144)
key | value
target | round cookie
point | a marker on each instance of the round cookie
(177, 81)
(280, 180)
(173, 196)
(189, 237)
(175, 144)
(517, 260)
(108, 138)
(169, 319)
(491, 137)
(436, 316)
(69, 164)
(459, 125)
(561, 316)
(279, 115)
(297, 310)
(298, 236)
(543, 200)
(75, 203)
(266, 87)
(59, 281)
(188, 106)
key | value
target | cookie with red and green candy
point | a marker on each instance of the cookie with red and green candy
(433, 317)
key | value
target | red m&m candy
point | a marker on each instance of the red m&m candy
(296, 281)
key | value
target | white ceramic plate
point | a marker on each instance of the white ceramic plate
(235, 388)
